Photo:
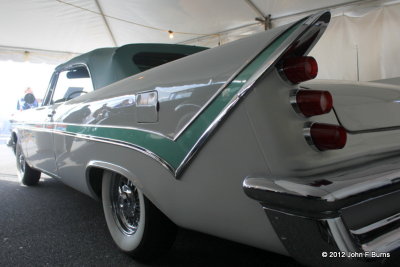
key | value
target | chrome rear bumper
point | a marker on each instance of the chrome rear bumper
(347, 217)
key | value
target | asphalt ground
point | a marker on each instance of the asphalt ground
(54, 225)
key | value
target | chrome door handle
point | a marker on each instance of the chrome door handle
(51, 114)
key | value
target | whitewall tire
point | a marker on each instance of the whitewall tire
(135, 224)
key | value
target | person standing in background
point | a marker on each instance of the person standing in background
(28, 101)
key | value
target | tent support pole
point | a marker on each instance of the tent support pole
(265, 20)
(105, 22)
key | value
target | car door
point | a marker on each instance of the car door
(39, 141)
(42, 144)
(72, 82)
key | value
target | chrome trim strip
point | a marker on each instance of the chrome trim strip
(216, 94)
(249, 85)
(23, 124)
(384, 243)
(204, 137)
(341, 235)
(110, 167)
(120, 143)
(377, 130)
(307, 135)
(344, 194)
(57, 73)
(109, 141)
(312, 19)
(376, 225)
(293, 102)
(115, 168)
(277, 54)
(24, 127)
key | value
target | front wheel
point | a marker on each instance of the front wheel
(136, 225)
(26, 174)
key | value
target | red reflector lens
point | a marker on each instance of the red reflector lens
(300, 69)
(327, 136)
(313, 102)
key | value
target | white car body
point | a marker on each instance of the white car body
(203, 136)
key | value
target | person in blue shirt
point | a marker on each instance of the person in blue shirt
(28, 101)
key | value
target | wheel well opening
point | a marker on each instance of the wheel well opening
(95, 180)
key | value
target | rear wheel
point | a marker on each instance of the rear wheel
(26, 174)
(136, 225)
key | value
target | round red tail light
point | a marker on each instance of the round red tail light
(313, 102)
(328, 136)
(300, 69)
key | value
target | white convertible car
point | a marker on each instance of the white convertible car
(231, 141)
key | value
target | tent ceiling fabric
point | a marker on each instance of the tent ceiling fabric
(77, 26)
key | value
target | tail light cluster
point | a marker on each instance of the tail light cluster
(300, 69)
(312, 102)
(327, 136)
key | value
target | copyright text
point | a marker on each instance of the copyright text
(366, 254)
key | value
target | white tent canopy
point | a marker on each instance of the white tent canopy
(361, 48)
(55, 30)
(78, 26)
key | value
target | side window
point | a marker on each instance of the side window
(71, 83)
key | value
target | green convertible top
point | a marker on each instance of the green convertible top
(108, 65)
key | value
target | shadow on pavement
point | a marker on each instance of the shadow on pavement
(52, 224)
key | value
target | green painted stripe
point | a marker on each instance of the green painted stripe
(174, 152)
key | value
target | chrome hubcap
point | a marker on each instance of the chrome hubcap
(125, 204)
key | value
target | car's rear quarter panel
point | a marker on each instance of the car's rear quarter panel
(208, 195)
